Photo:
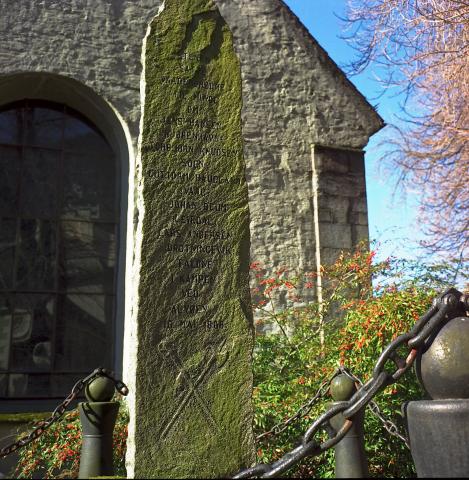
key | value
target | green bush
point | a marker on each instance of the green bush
(56, 453)
(302, 344)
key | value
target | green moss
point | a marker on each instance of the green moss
(22, 417)
(194, 411)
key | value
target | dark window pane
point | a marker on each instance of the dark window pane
(10, 162)
(89, 257)
(54, 164)
(33, 322)
(7, 252)
(84, 333)
(11, 127)
(43, 127)
(39, 183)
(80, 136)
(25, 385)
(3, 385)
(36, 255)
(61, 385)
(88, 193)
(5, 330)
(17, 385)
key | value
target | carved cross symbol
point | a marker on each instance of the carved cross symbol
(193, 390)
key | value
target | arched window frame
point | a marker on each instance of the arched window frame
(61, 90)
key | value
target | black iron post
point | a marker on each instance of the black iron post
(439, 428)
(350, 458)
(98, 417)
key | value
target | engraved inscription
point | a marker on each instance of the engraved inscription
(196, 135)
(193, 388)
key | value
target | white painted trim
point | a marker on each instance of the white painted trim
(317, 237)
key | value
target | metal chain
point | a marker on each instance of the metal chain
(450, 302)
(388, 425)
(61, 409)
(302, 411)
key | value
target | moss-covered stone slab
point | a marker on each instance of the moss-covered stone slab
(194, 379)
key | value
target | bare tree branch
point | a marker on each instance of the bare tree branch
(422, 47)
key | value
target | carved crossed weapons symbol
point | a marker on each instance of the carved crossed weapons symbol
(193, 391)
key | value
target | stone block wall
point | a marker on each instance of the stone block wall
(341, 200)
(294, 97)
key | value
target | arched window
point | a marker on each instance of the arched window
(58, 248)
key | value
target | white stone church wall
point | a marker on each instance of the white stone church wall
(294, 97)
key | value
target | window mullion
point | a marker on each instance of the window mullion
(12, 296)
(58, 242)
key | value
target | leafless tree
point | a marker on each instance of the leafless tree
(422, 47)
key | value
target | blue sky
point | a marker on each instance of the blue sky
(393, 218)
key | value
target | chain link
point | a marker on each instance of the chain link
(451, 302)
(303, 410)
(388, 425)
(62, 407)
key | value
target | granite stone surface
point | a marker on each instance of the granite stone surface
(193, 370)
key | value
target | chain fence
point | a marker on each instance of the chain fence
(320, 394)
(449, 302)
(61, 409)
(388, 425)
(301, 412)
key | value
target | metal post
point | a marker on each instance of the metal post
(350, 458)
(98, 417)
(439, 428)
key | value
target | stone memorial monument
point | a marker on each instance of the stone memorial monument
(193, 370)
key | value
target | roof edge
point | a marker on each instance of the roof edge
(372, 109)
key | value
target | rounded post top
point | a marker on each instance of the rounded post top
(443, 367)
(342, 388)
(100, 389)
